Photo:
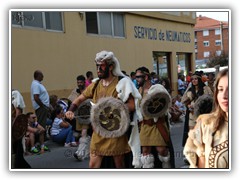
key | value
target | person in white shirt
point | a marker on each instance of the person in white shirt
(18, 102)
(181, 84)
(40, 98)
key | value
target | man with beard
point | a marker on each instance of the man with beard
(154, 129)
(77, 126)
(114, 84)
(79, 89)
(74, 94)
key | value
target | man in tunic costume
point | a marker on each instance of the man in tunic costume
(112, 83)
(154, 129)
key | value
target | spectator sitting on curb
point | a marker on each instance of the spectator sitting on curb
(34, 130)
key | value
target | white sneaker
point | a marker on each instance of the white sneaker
(67, 145)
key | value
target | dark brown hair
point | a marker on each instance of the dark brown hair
(220, 114)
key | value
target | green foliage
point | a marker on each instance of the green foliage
(221, 60)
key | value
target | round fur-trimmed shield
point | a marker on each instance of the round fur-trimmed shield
(110, 117)
(156, 102)
(83, 112)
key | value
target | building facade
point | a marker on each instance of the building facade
(63, 45)
(211, 38)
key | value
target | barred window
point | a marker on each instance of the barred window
(105, 23)
(44, 20)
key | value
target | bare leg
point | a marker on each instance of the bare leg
(95, 161)
(27, 142)
(146, 150)
(41, 140)
(119, 161)
(162, 150)
(32, 139)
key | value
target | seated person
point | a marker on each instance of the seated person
(180, 105)
(175, 111)
(34, 130)
(61, 130)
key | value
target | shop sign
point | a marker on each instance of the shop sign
(161, 35)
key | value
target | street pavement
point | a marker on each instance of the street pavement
(61, 157)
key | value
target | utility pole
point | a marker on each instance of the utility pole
(221, 35)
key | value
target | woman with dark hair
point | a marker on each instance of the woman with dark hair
(207, 144)
(166, 83)
(189, 98)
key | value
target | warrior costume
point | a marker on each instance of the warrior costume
(154, 130)
(188, 97)
(100, 145)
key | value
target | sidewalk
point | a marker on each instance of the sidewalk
(176, 135)
(61, 157)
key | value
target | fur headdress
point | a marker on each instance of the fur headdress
(110, 59)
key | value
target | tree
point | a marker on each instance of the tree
(215, 60)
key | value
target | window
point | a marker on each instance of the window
(161, 63)
(205, 43)
(205, 33)
(206, 54)
(218, 53)
(53, 20)
(218, 42)
(217, 31)
(105, 23)
(43, 20)
(195, 45)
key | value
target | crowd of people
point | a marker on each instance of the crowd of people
(128, 124)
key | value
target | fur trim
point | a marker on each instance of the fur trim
(207, 119)
(108, 108)
(203, 105)
(190, 153)
(83, 150)
(125, 88)
(95, 80)
(156, 91)
(165, 160)
(147, 161)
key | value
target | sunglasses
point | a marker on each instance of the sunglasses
(140, 76)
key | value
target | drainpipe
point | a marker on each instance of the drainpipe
(221, 35)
